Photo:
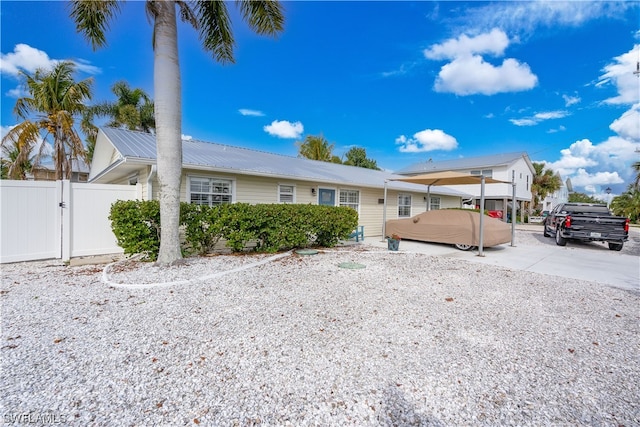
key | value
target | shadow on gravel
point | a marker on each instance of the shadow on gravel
(397, 411)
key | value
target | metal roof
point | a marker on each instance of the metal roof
(199, 154)
(465, 163)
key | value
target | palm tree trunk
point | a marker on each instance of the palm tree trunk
(168, 112)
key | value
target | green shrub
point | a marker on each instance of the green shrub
(203, 227)
(270, 227)
(136, 225)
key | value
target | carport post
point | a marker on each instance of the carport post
(480, 251)
(384, 211)
(513, 209)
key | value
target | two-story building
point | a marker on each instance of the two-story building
(513, 168)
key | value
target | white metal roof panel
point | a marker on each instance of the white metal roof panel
(463, 163)
(208, 155)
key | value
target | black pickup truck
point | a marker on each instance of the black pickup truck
(586, 222)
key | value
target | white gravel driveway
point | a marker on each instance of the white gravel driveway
(410, 339)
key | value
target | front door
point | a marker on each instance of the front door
(326, 196)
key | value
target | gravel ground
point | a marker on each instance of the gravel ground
(409, 340)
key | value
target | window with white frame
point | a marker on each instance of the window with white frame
(404, 205)
(286, 193)
(350, 198)
(210, 191)
(487, 173)
(434, 203)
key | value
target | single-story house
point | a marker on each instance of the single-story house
(214, 173)
(510, 167)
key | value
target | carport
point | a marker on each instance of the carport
(452, 178)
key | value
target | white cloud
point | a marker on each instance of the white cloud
(186, 137)
(539, 117)
(472, 75)
(559, 129)
(494, 42)
(29, 59)
(426, 140)
(549, 115)
(608, 162)
(284, 129)
(527, 17)
(468, 73)
(86, 67)
(620, 74)
(628, 125)
(523, 122)
(25, 57)
(16, 92)
(570, 100)
(582, 178)
(248, 112)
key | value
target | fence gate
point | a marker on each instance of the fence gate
(58, 219)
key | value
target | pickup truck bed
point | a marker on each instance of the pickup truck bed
(586, 222)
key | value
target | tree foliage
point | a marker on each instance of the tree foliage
(628, 204)
(357, 156)
(133, 109)
(317, 148)
(211, 20)
(545, 182)
(50, 110)
(583, 198)
(16, 160)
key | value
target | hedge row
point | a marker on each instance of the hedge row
(266, 227)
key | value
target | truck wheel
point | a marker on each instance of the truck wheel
(545, 233)
(560, 241)
(615, 246)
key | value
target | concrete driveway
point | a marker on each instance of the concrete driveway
(533, 252)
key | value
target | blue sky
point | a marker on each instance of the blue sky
(408, 81)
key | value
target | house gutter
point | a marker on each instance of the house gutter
(108, 169)
(309, 179)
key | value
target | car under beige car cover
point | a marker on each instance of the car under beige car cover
(452, 226)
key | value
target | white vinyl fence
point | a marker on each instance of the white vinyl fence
(58, 219)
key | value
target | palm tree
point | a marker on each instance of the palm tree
(316, 148)
(16, 161)
(628, 204)
(133, 110)
(545, 182)
(636, 168)
(56, 100)
(211, 20)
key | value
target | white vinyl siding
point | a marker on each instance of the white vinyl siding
(487, 173)
(350, 198)
(404, 205)
(210, 191)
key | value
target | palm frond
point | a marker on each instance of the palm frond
(92, 18)
(215, 29)
(264, 17)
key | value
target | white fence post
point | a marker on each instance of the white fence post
(65, 213)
